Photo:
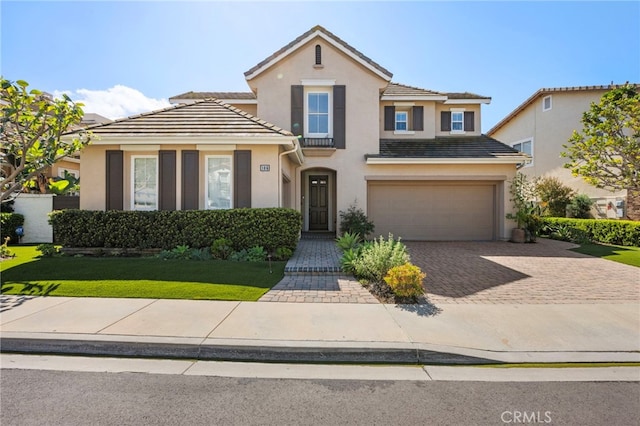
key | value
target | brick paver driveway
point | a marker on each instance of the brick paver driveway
(502, 272)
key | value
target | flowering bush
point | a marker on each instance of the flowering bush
(405, 280)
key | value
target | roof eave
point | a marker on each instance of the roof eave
(451, 160)
(191, 139)
(413, 98)
(468, 101)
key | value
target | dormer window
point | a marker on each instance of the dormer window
(457, 120)
(403, 118)
(318, 54)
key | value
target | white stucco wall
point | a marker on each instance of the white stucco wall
(35, 208)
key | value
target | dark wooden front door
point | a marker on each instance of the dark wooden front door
(318, 203)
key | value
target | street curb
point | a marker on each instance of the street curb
(290, 351)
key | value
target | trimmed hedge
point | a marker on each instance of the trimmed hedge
(618, 232)
(8, 224)
(270, 228)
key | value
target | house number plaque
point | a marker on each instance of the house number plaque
(265, 167)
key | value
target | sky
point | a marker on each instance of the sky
(122, 58)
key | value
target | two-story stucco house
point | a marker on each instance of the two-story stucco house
(333, 130)
(542, 124)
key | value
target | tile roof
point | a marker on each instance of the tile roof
(551, 90)
(217, 95)
(445, 147)
(319, 29)
(465, 95)
(396, 89)
(203, 118)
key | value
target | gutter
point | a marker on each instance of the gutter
(295, 150)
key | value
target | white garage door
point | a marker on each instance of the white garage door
(433, 211)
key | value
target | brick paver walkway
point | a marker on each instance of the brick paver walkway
(313, 275)
(502, 272)
(468, 272)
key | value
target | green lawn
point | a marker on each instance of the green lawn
(622, 254)
(26, 274)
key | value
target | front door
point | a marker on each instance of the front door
(318, 203)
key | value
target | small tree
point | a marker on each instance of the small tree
(554, 195)
(31, 129)
(607, 151)
(580, 206)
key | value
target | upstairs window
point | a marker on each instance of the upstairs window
(402, 120)
(526, 147)
(318, 114)
(318, 54)
(457, 121)
(546, 103)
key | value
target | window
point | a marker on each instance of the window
(318, 114)
(144, 183)
(457, 121)
(318, 54)
(525, 146)
(402, 120)
(218, 185)
(546, 103)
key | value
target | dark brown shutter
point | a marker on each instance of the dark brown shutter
(297, 110)
(167, 180)
(418, 118)
(339, 116)
(468, 121)
(389, 118)
(445, 121)
(190, 180)
(241, 179)
(115, 180)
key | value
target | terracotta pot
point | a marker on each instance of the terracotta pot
(518, 235)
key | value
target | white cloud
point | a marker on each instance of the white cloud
(116, 102)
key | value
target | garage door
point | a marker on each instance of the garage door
(433, 211)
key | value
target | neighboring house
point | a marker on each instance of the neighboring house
(413, 159)
(540, 127)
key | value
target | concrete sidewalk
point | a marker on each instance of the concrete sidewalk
(321, 332)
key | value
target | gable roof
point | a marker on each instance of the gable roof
(318, 31)
(448, 148)
(209, 117)
(548, 91)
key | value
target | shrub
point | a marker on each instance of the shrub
(377, 257)
(618, 232)
(269, 227)
(347, 261)
(256, 254)
(8, 224)
(47, 250)
(283, 253)
(221, 248)
(354, 221)
(580, 206)
(348, 241)
(200, 254)
(405, 280)
(554, 195)
(239, 256)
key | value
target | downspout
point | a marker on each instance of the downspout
(294, 149)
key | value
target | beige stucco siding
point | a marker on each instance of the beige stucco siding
(549, 131)
(363, 87)
(93, 184)
(265, 185)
